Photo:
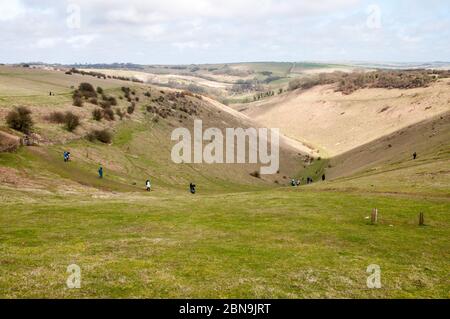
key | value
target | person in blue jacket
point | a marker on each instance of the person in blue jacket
(100, 172)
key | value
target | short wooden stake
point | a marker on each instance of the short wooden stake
(421, 219)
(374, 216)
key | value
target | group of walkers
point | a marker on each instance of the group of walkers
(148, 184)
(309, 180)
(192, 186)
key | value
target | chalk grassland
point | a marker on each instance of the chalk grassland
(266, 244)
(238, 237)
(228, 241)
(336, 123)
(217, 80)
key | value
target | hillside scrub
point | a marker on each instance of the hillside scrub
(348, 83)
(103, 136)
(56, 117)
(108, 114)
(131, 108)
(20, 120)
(72, 121)
(87, 90)
(77, 101)
(97, 114)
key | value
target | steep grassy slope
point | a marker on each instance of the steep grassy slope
(430, 139)
(336, 123)
(141, 147)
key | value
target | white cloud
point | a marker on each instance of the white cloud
(46, 43)
(191, 45)
(11, 9)
(180, 31)
(81, 41)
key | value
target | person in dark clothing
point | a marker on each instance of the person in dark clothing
(414, 155)
(192, 188)
(100, 172)
(66, 156)
(323, 177)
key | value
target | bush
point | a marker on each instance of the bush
(103, 136)
(87, 90)
(99, 90)
(20, 120)
(97, 114)
(56, 117)
(72, 121)
(108, 114)
(112, 100)
(131, 108)
(255, 174)
(93, 100)
(105, 104)
(78, 101)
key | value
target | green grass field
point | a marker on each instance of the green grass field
(267, 244)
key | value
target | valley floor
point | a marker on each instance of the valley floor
(281, 243)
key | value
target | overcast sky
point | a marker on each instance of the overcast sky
(208, 31)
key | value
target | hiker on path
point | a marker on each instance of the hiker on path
(323, 177)
(192, 188)
(100, 172)
(148, 185)
(414, 155)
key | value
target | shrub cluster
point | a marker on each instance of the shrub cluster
(56, 117)
(20, 120)
(103, 136)
(97, 114)
(348, 83)
(70, 120)
(131, 108)
(85, 91)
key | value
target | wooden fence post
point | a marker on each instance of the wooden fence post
(374, 216)
(421, 219)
